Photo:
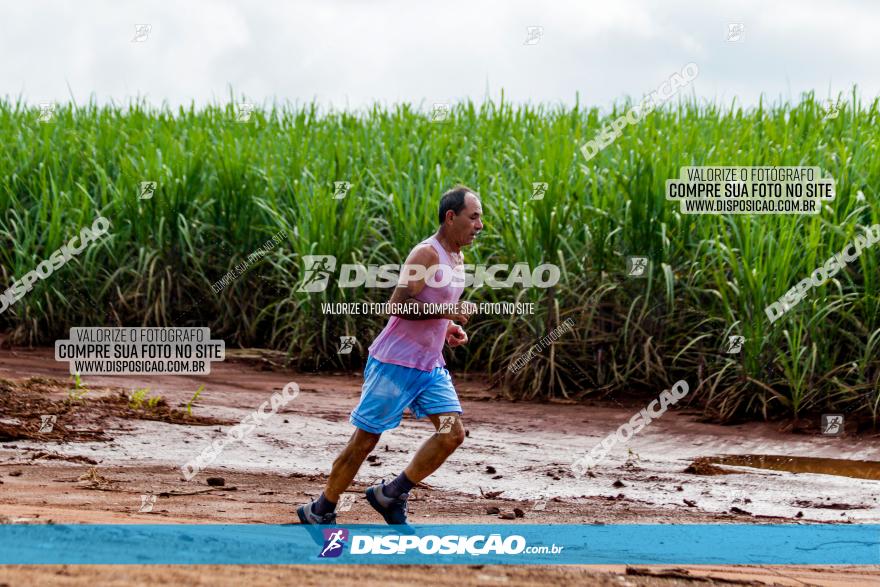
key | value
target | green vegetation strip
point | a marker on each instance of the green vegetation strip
(225, 187)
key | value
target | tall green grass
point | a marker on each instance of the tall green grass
(224, 187)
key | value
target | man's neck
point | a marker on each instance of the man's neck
(445, 242)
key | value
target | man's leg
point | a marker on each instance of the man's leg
(425, 393)
(386, 393)
(437, 448)
(349, 461)
(345, 467)
(390, 499)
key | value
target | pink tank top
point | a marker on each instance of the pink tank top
(419, 343)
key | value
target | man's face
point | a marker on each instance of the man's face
(467, 223)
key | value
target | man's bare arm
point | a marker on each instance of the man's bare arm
(403, 300)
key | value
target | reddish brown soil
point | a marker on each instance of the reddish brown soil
(71, 478)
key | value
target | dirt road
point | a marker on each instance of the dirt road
(518, 449)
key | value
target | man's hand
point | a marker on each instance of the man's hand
(462, 312)
(455, 335)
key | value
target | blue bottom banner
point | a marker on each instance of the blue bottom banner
(516, 544)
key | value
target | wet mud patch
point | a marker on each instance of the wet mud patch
(824, 466)
(29, 411)
(704, 466)
(805, 503)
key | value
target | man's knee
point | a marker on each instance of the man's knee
(452, 440)
(363, 443)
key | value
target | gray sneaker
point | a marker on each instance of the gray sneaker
(393, 509)
(308, 516)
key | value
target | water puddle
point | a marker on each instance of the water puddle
(840, 467)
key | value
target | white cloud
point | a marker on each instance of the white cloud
(350, 54)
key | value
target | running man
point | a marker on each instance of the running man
(405, 368)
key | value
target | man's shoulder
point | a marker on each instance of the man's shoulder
(425, 251)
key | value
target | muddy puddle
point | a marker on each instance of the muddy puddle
(797, 464)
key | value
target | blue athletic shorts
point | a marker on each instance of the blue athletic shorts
(389, 389)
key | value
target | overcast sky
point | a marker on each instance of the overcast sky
(350, 54)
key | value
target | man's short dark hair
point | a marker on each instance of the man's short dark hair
(453, 200)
